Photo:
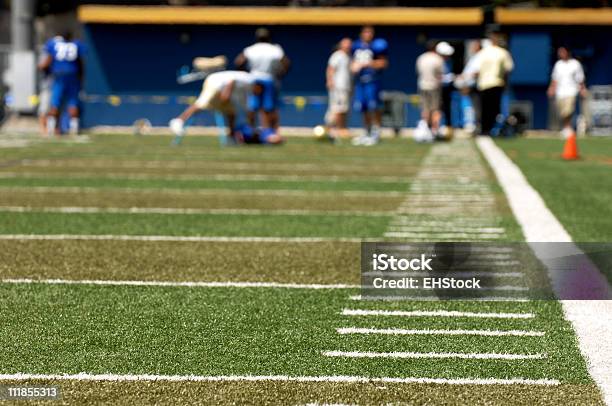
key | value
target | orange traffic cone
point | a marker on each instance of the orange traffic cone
(570, 150)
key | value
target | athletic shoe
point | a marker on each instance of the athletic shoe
(177, 126)
(359, 140)
(566, 132)
(369, 141)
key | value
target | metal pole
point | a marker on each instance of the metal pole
(22, 24)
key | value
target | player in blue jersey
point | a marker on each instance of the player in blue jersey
(64, 62)
(369, 60)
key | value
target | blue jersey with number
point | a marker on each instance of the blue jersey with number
(366, 52)
(66, 56)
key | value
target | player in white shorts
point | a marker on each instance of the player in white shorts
(225, 92)
(339, 84)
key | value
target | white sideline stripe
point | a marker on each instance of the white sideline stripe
(173, 238)
(206, 192)
(457, 355)
(591, 319)
(173, 210)
(401, 331)
(435, 313)
(277, 378)
(435, 298)
(180, 284)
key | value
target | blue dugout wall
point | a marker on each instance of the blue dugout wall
(132, 69)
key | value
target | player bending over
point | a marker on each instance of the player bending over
(225, 92)
(63, 61)
(369, 60)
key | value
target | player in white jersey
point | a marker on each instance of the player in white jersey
(567, 82)
(225, 92)
(266, 60)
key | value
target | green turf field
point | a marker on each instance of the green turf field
(578, 192)
(244, 264)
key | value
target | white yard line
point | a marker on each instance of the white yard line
(443, 235)
(205, 192)
(194, 164)
(172, 238)
(445, 273)
(175, 210)
(451, 229)
(592, 319)
(436, 299)
(435, 313)
(401, 331)
(276, 378)
(180, 284)
(204, 177)
(441, 355)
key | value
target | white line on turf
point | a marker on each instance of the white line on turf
(206, 192)
(435, 313)
(435, 298)
(444, 235)
(277, 378)
(174, 238)
(443, 355)
(194, 164)
(449, 273)
(174, 210)
(204, 177)
(401, 331)
(591, 319)
(186, 284)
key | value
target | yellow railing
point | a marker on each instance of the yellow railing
(279, 15)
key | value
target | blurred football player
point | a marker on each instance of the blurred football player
(225, 92)
(339, 81)
(369, 60)
(268, 61)
(245, 134)
(63, 60)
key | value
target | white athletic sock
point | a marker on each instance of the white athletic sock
(375, 131)
(74, 126)
(51, 122)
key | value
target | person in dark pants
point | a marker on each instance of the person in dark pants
(445, 50)
(490, 107)
(495, 65)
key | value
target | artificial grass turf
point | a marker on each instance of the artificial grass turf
(209, 331)
(291, 393)
(229, 331)
(579, 193)
(395, 151)
(209, 167)
(286, 262)
(329, 225)
(236, 199)
(227, 184)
